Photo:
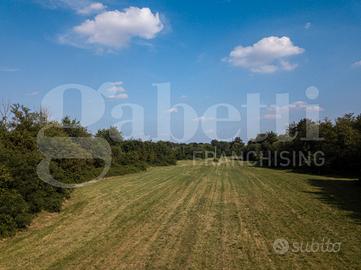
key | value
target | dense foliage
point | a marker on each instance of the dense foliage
(215, 149)
(22, 193)
(323, 147)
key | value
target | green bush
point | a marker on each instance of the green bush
(14, 212)
(23, 194)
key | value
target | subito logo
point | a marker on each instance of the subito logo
(281, 246)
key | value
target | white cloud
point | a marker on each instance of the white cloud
(265, 56)
(308, 25)
(172, 110)
(274, 112)
(357, 64)
(82, 7)
(272, 116)
(113, 90)
(300, 105)
(8, 69)
(111, 30)
(91, 8)
(287, 65)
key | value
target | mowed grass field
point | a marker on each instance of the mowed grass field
(194, 217)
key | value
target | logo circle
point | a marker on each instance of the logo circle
(281, 246)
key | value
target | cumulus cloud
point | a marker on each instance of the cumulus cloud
(82, 7)
(274, 112)
(91, 8)
(356, 64)
(268, 55)
(308, 25)
(113, 90)
(115, 29)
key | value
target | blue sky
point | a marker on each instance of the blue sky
(278, 47)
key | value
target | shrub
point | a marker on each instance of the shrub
(14, 212)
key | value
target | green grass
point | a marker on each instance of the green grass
(194, 217)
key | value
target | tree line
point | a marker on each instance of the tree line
(324, 147)
(23, 194)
